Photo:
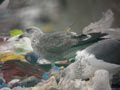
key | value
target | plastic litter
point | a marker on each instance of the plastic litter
(12, 82)
(46, 85)
(34, 88)
(2, 84)
(1, 39)
(32, 57)
(16, 68)
(55, 68)
(43, 61)
(18, 88)
(45, 76)
(19, 44)
(62, 67)
(31, 83)
(16, 32)
(6, 56)
(6, 47)
(6, 88)
(23, 46)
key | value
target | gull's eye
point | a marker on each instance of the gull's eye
(29, 30)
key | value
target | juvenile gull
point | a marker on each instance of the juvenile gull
(104, 54)
(59, 45)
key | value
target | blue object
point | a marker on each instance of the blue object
(45, 76)
(31, 83)
(55, 68)
(2, 84)
(21, 85)
(31, 57)
(1, 81)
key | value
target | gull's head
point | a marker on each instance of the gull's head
(34, 30)
(33, 33)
